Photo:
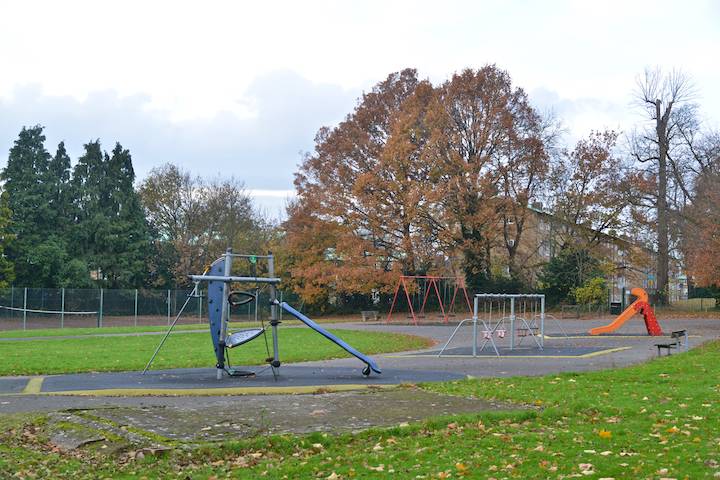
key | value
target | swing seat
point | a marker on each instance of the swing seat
(501, 333)
(242, 336)
(487, 334)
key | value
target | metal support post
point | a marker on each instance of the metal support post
(281, 301)
(100, 310)
(542, 321)
(168, 307)
(274, 321)
(199, 294)
(136, 307)
(225, 312)
(25, 309)
(257, 300)
(512, 323)
(62, 308)
(475, 320)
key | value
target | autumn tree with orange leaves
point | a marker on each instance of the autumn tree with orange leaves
(417, 179)
(592, 189)
(487, 146)
(365, 185)
(701, 245)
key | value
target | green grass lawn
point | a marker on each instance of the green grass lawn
(657, 420)
(64, 332)
(102, 354)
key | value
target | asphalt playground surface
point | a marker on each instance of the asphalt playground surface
(562, 352)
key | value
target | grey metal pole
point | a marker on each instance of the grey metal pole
(542, 321)
(100, 311)
(62, 308)
(273, 313)
(167, 334)
(225, 313)
(512, 323)
(168, 307)
(257, 300)
(475, 319)
(25, 309)
(199, 295)
(136, 306)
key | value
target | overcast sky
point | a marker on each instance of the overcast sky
(234, 88)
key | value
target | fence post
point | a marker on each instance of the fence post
(136, 300)
(168, 307)
(100, 310)
(25, 309)
(62, 308)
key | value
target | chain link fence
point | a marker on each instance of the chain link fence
(35, 308)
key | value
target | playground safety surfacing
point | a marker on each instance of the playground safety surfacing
(291, 379)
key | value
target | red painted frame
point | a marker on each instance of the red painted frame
(433, 283)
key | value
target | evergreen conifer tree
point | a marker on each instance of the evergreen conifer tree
(111, 234)
(59, 192)
(27, 199)
(7, 272)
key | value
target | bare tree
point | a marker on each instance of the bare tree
(667, 99)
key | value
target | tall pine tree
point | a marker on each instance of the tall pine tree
(111, 233)
(24, 176)
(59, 191)
(7, 272)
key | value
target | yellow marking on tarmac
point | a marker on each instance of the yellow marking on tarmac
(34, 386)
(173, 392)
(584, 355)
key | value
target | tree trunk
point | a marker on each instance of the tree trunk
(663, 253)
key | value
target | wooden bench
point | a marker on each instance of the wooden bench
(677, 339)
(372, 315)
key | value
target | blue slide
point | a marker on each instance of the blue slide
(371, 365)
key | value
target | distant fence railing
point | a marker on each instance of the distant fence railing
(32, 308)
(695, 304)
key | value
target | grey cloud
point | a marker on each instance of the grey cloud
(263, 151)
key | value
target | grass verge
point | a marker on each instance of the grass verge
(655, 420)
(103, 354)
(75, 331)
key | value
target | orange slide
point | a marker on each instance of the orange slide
(640, 305)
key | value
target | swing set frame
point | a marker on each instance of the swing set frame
(432, 284)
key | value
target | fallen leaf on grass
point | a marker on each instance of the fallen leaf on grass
(605, 434)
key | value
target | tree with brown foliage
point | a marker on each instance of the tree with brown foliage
(194, 220)
(591, 190)
(485, 136)
(701, 245)
(366, 183)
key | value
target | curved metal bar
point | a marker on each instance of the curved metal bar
(249, 297)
